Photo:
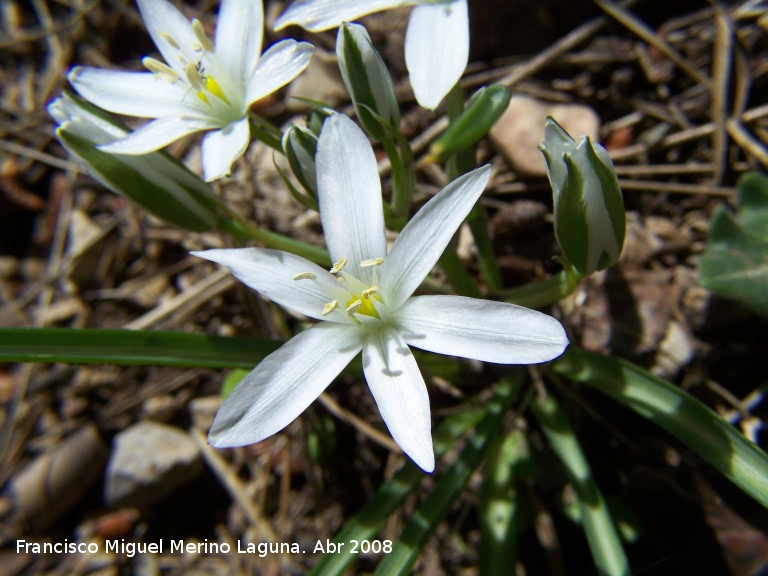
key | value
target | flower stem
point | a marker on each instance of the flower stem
(541, 294)
(460, 163)
(237, 226)
(458, 277)
(403, 176)
(265, 131)
(478, 224)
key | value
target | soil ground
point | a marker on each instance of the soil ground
(75, 255)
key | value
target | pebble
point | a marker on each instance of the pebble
(517, 134)
(149, 461)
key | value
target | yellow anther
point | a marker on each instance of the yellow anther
(304, 276)
(170, 39)
(201, 36)
(330, 307)
(194, 77)
(340, 280)
(354, 307)
(371, 262)
(160, 69)
(370, 292)
(339, 265)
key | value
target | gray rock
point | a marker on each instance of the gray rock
(149, 461)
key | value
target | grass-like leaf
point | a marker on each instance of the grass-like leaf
(443, 497)
(369, 521)
(679, 413)
(602, 535)
(137, 347)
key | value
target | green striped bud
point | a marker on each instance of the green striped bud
(300, 146)
(316, 117)
(484, 108)
(156, 181)
(367, 79)
(588, 205)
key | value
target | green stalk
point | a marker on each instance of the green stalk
(458, 164)
(478, 224)
(403, 182)
(679, 413)
(237, 226)
(604, 542)
(262, 129)
(544, 293)
(458, 277)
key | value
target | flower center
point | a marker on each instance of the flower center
(197, 77)
(358, 299)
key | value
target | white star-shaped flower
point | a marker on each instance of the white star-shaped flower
(202, 85)
(365, 303)
(436, 42)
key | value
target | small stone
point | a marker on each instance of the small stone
(149, 461)
(517, 134)
(54, 482)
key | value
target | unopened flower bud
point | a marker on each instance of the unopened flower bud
(588, 205)
(300, 147)
(367, 79)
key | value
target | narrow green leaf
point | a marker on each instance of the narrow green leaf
(156, 181)
(443, 497)
(679, 413)
(390, 495)
(137, 347)
(499, 506)
(602, 535)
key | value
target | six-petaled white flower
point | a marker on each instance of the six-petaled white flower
(202, 85)
(365, 302)
(436, 42)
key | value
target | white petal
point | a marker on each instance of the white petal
(155, 134)
(139, 94)
(422, 241)
(163, 20)
(222, 147)
(349, 193)
(399, 390)
(317, 15)
(481, 329)
(436, 49)
(271, 272)
(284, 384)
(73, 117)
(278, 66)
(239, 33)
